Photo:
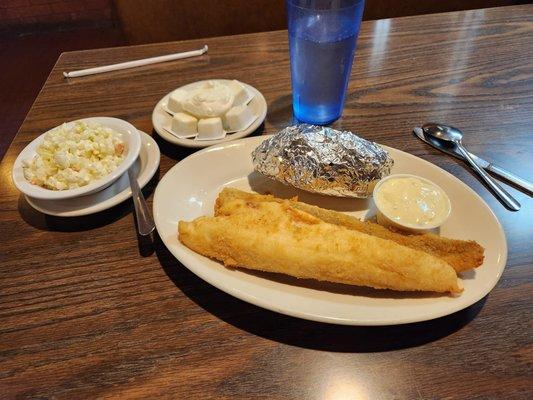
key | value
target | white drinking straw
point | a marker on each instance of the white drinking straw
(135, 63)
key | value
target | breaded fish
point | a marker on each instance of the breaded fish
(276, 237)
(462, 255)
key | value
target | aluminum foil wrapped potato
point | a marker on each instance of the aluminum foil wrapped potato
(323, 160)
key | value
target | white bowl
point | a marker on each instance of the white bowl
(386, 220)
(132, 143)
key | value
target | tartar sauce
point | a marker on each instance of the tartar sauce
(412, 201)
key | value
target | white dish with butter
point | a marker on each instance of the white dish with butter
(206, 99)
(410, 203)
(242, 121)
(144, 168)
(127, 134)
(188, 190)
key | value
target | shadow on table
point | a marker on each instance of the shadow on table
(280, 112)
(280, 115)
(178, 153)
(303, 333)
(83, 223)
(171, 150)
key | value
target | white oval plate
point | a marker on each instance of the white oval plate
(188, 190)
(161, 118)
(128, 134)
(145, 167)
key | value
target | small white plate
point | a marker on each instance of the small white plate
(188, 190)
(162, 119)
(145, 167)
(132, 143)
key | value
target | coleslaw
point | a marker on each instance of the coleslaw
(72, 157)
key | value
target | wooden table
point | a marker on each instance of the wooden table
(88, 310)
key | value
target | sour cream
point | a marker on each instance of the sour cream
(212, 99)
(411, 202)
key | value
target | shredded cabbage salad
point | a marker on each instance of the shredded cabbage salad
(73, 157)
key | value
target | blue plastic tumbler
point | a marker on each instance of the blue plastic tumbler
(322, 38)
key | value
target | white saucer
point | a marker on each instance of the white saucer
(161, 119)
(145, 167)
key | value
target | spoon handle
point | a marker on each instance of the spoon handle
(145, 223)
(508, 200)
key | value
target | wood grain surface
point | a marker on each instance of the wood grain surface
(88, 310)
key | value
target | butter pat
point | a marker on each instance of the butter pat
(238, 118)
(240, 94)
(184, 125)
(210, 129)
(175, 101)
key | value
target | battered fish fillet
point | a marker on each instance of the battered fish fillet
(462, 255)
(275, 237)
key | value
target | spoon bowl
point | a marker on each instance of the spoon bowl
(443, 132)
(451, 135)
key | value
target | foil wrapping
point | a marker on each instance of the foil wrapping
(323, 160)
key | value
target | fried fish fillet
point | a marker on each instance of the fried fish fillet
(462, 255)
(276, 237)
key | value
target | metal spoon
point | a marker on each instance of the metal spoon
(145, 223)
(454, 135)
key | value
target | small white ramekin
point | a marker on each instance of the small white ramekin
(386, 220)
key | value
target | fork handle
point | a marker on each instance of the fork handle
(145, 223)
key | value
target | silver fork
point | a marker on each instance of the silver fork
(145, 223)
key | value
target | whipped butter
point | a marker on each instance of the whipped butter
(212, 99)
(411, 202)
